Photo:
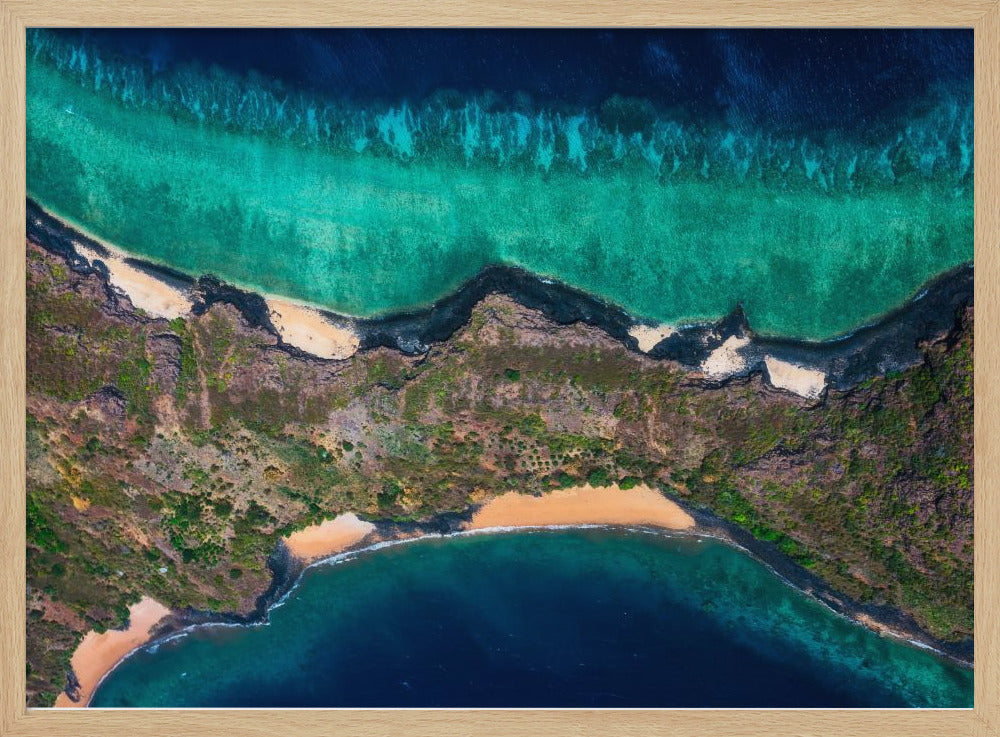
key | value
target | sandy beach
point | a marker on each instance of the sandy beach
(329, 538)
(808, 383)
(98, 654)
(727, 359)
(299, 325)
(146, 292)
(648, 336)
(307, 330)
(583, 505)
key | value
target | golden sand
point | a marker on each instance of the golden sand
(583, 505)
(307, 330)
(648, 336)
(146, 292)
(329, 538)
(805, 382)
(98, 654)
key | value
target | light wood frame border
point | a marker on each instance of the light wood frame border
(982, 15)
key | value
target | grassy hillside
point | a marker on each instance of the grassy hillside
(168, 458)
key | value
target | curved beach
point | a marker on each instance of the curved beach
(583, 505)
(98, 654)
(428, 623)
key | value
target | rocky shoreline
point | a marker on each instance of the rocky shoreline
(890, 344)
(882, 619)
(287, 570)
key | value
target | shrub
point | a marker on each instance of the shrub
(599, 477)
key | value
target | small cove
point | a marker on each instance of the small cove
(547, 618)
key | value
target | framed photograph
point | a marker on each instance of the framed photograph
(542, 369)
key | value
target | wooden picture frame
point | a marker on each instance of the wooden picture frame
(981, 15)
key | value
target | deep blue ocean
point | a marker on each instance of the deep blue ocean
(572, 618)
(674, 173)
(788, 80)
(819, 178)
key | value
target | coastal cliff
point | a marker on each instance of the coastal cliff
(167, 458)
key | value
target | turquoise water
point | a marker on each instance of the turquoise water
(373, 208)
(554, 618)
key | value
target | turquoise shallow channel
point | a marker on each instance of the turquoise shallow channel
(368, 209)
(587, 617)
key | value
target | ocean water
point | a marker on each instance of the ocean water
(571, 618)
(820, 178)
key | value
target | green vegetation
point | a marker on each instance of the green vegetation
(40, 534)
(599, 477)
(186, 359)
(179, 483)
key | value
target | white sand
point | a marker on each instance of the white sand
(98, 654)
(299, 326)
(648, 336)
(329, 538)
(146, 292)
(583, 505)
(307, 330)
(805, 382)
(727, 359)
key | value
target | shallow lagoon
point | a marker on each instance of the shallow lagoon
(374, 207)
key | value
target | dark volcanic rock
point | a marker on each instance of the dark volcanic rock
(890, 344)
(110, 403)
(166, 350)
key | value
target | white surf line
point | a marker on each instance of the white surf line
(696, 534)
